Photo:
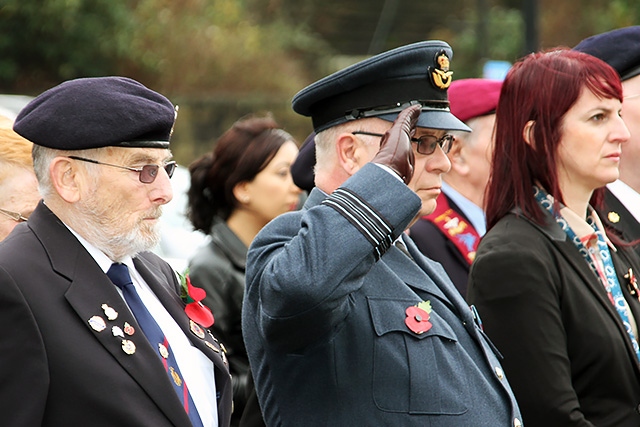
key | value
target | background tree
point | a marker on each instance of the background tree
(222, 59)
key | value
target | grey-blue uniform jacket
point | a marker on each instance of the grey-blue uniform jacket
(324, 320)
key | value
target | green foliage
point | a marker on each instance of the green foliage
(51, 40)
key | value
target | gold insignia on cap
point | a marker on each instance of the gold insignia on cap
(97, 323)
(612, 216)
(440, 74)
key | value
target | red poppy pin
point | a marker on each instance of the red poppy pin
(418, 317)
(192, 296)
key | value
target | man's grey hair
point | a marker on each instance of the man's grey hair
(43, 156)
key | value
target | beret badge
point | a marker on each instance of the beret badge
(440, 74)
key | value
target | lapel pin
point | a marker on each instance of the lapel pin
(175, 376)
(212, 347)
(613, 217)
(109, 312)
(117, 332)
(128, 346)
(196, 329)
(164, 352)
(128, 329)
(97, 323)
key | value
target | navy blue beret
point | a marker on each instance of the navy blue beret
(97, 112)
(302, 168)
(619, 48)
(382, 86)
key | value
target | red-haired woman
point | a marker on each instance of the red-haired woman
(556, 294)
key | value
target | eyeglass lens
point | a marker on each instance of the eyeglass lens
(427, 143)
(148, 173)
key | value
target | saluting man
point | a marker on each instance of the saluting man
(95, 331)
(346, 323)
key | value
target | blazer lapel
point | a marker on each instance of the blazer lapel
(91, 295)
(570, 253)
(100, 308)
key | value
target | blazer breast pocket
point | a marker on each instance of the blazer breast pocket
(416, 373)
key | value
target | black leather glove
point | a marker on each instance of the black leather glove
(395, 148)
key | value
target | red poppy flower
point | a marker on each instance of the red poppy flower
(192, 296)
(417, 319)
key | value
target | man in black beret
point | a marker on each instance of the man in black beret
(96, 333)
(345, 322)
(621, 49)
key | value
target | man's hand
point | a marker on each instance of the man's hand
(395, 148)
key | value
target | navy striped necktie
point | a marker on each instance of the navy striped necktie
(119, 275)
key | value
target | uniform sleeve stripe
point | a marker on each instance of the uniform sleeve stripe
(364, 217)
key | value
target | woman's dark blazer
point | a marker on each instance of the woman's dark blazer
(566, 353)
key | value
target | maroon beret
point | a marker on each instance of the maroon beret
(469, 98)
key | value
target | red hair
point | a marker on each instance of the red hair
(541, 87)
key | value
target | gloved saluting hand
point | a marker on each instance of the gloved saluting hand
(395, 148)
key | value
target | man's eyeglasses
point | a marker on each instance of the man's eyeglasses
(426, 144)
(16, 216)
(147, 173)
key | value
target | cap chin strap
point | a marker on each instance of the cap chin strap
(391, 109)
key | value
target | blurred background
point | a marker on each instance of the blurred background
(220, 60)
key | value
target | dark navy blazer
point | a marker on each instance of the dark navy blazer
(55, 369)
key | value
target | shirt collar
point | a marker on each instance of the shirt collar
(469, 209)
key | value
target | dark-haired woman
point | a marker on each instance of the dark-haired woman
(236, 190)
(557, 294)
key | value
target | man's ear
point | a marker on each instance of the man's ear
(458, 159)
(65, 178)
(527, 133)
(347, 152)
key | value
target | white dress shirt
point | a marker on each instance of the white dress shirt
(196, 368)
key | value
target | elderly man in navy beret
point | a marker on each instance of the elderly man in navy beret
(451, 233)
(621, 49)
(346, 323)
(96, 332)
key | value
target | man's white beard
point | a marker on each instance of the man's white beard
(94, 222)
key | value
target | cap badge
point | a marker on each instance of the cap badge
(612, 216)
(175, 118)
(440, 74)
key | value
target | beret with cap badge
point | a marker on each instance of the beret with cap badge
(619, 48)
(97, 112)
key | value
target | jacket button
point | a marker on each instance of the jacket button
(499, 372)
(517, 423)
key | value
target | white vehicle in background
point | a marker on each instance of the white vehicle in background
(178, 241)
